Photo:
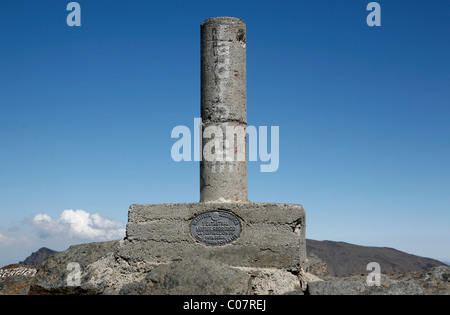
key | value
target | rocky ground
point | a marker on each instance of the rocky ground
(102, 271)
(16, 279)
(435, 281)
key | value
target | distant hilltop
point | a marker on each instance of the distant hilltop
(344, 259)
(37, 257)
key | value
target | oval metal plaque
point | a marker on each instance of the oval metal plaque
(216, 227)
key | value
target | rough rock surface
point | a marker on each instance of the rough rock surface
(16, 279)
(53, 273)
(435, 281)
(103, 271)
(16, 285)
(191, 276)
(317, 266)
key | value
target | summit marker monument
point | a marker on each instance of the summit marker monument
(224, 226)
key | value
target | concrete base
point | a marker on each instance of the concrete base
(272, 236)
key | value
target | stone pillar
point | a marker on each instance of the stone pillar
(224, 228)
(223, 168)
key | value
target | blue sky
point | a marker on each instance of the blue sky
(86, 115)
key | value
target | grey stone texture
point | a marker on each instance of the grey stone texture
(104, 271)
(272, 236)
(434, 281)
(223, 70)
(53, 273)
(191, 276)
(224, 103)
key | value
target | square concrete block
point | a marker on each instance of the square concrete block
(241, 234)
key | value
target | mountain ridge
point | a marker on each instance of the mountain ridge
(344, 259)
(38, 256)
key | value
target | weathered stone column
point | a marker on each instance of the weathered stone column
(223, 169)
(225, 229)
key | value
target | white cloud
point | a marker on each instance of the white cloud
(78, 224)
(6, 241)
